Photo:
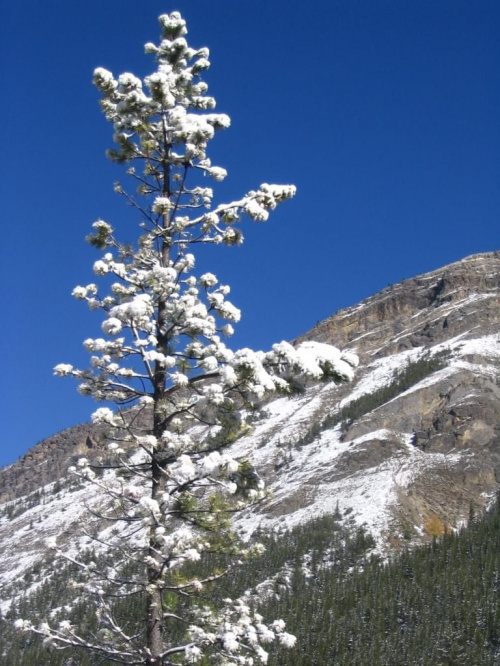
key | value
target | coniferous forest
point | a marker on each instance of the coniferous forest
(436, 604)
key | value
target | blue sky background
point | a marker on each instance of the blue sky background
(384, 113)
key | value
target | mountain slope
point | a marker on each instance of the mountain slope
(410, 448)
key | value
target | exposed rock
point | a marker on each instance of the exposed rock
(458, 412)
(422, 311)
(48, 460)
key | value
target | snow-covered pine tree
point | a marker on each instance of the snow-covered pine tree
(182, 395)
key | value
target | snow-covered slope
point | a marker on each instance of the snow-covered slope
(407, 449)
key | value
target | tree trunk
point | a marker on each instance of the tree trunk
(155, 639)
(155, 643)
(155, 626)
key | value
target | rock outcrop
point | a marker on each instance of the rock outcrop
(455, 412)
(48, 460)
(421, 311)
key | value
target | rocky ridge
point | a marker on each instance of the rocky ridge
(420, 311)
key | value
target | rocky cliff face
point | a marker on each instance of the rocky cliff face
(422, 311)
(455, 411)
(410, 448)
(48, 461)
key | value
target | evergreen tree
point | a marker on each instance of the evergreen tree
(182, 395)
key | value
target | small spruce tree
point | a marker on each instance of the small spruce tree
(182, 396)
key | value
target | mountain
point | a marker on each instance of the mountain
(409, 449)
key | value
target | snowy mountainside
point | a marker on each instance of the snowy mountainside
(408, 449)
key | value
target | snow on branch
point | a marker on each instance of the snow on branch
(168, 480)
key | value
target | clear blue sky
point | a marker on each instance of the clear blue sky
(385, 114)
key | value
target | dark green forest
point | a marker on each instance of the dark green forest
(436, 604)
